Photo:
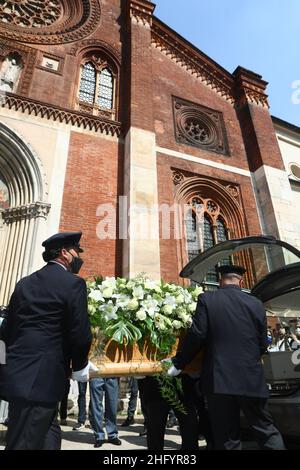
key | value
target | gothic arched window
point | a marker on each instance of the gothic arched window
(97, 88)
(205, 227)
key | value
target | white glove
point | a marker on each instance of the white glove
(93, 367)
(173, 372)
(83, 374)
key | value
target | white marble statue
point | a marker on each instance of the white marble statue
(10, 73)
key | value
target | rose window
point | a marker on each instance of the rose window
(199, 126)
(48, 21)
(30, 13)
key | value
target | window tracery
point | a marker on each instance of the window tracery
(205, 227)
(97, 87)
(199, 126)
(30, 13)
(48, 21)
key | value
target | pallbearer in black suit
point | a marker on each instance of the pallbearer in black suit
(231, 325)
(47, 327)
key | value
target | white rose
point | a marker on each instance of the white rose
(177, 324)
(167, 309)
(132, 304)
(180, 299)
(141, 315)
(107, 292)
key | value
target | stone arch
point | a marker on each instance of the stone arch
(22, 174)
(102, 56)
(230, 211)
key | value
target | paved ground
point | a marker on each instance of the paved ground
(84, 440)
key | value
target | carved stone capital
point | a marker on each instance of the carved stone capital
(26, 212)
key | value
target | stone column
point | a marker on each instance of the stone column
(141, 252)
(21, 227)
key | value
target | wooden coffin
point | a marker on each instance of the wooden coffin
(131, 360)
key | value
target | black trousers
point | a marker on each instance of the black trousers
(224, 413)
(63, 409)
(157, 410)
(32, 426)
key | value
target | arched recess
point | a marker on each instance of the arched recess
(21, 175)
(220, 207)
(102, 57)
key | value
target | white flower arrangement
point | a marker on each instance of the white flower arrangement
(134, 310)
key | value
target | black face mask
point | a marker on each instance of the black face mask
(75, 264)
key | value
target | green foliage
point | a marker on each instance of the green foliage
(171, 389)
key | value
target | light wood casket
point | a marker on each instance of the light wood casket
(131, 360)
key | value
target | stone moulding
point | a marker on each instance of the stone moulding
(29, 211)
(58, 114)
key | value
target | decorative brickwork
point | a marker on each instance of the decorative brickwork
(74, 118)
(48, 21)
(250, 88)
(96, 44)
(192, 60)
(141, 11)
(199, 126)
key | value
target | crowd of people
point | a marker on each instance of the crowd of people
(47, 336)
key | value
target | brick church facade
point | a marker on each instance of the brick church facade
(104, 106)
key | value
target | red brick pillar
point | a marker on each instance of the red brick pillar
(270, 181)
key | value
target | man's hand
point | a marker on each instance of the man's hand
(92, 367)
(172, 371)
(83, 375)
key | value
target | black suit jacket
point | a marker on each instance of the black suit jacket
(231, 326)
(47, 326)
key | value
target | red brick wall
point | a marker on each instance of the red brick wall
(171, 79)
(59, 90)
(94, 176)
(260, 137)
(170, 262)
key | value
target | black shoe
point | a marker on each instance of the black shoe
(144, 432)
(115, 441)
(99, 443)
(128, 422)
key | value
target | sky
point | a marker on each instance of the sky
(260, 35)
